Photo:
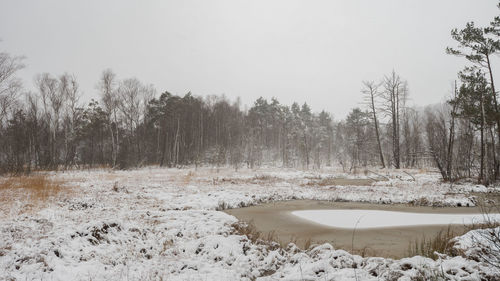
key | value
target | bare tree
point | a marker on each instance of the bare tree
(395, 93)
(48, 87)
(371, 92)
(109, 96)
(70, 93)
(437, 137)
(10, 85)
(131, 104)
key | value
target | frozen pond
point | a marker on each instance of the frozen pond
(382, 230)
(363, 219)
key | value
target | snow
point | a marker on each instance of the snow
(361, 219)
(481, 244)
(166, 224)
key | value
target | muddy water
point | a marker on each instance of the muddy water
(392, 242)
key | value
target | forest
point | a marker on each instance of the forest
(129, 125)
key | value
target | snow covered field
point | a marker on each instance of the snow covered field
(166, 224)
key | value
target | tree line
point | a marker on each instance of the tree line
(130, 125)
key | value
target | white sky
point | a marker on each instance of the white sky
(314, 51)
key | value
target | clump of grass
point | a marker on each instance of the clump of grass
(441, 243)
(31, 191)
(307, 243)
(269, 239)
(262, 179)
(116, 188)
(257, 237)
(331, 181)
(422, 201)
(222, 206)
(188, 177)
(444, 242)
(37, 187)
(313, 177)
(247, 229)
(256, 179)
(364, 252)
(322, 182)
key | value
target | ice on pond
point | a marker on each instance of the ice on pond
(361, 219)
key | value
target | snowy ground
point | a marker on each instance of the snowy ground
(164, 224)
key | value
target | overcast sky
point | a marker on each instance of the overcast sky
(316, 51)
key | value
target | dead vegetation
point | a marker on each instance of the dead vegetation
(29, 192)
(256, 179)
(444, 241)
(429, 247)
(257, 237)
(339, 181)
(270, 239)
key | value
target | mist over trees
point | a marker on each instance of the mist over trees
(131, 125)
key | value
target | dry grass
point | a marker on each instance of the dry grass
(443, 242)
(270, 239)
(307, 243)
(256, 179)
(29, 193)
(249, 230)
(257, 237)
(340, 181)
(188, 177)
(110, 176)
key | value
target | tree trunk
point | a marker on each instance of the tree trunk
(451, 139)
(306, 151)
(113, 146)
(176, 144)
(377, 134)
(397, 155)
(497, 114)
(481, 168)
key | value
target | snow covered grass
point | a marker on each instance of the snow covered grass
(165, 224)
(481, 245)
(482, 242)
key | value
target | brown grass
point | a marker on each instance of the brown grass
(364, 252)
(249, 230)
(40, 187)
(29, 192)
(270, 239)
(443, 242)
(339, 181)
(256, 179)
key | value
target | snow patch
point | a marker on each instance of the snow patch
(361, 219)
